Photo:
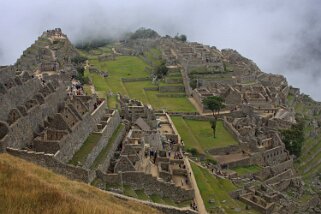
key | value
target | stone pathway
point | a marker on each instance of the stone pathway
(198, 198)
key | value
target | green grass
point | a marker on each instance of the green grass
(85, 149)
(153, 55)
(212, 188)
(112, 102)
(141, 195)
(136, 90)
(87, 90)
(102, 155)
(122, 67)
(199, 135)
(129, 191)
(243, 170)
(157, 199)
(133, 67)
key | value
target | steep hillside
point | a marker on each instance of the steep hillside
(50, 52)
(27, 188)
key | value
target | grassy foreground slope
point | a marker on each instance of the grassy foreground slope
(28, 188)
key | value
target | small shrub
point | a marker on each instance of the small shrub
(193, 151)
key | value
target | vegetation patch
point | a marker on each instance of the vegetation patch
(85, 149)
(215, 192)
(104, 152)
(28, 188)
(199, 134)
(243, 170)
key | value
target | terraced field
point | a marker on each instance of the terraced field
(309, 163)
(130, 67)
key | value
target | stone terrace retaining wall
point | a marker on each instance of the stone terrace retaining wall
(223, 151)
(22, 130)
(177, 113)
(49, 161)
(171, 95)
(135, 79)
(163, 208)
(80, 133)
(150, 184)
(107, 132)
(105, 165)
(151, 89)
(198, 117)
(172, 88)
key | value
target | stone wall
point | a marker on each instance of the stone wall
(136, 79)
(257, 206)
(163, 208)
(112, 123)
(105, 164)
(49, 161)
(80, 132)
(150, 184)
(242, 162)
(284, 175)
(172, 88)
(225, 150)
(22, 130)
(177, 113)
(198, 117)
(151, 89)
(171, 95)
(140, 180)
(18, 95)
(173, 80)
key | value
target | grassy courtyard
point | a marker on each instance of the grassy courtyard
(216, 190)
(199, 135)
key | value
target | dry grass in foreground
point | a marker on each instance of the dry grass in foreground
(28, 188)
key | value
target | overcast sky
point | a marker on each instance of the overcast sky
(281, 36)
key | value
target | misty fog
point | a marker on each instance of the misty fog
(281, 37)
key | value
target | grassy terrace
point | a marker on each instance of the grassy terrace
(217, 189)
(85, 149)
(102, 155)
(111, 101)
(133, 67)
(243, 170)
(199, 135)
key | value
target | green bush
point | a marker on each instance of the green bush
(293, 138)
(161, 70)
(79, 59)
(193, 151)
(212, 161)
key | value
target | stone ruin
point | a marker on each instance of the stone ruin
(43, 122)
(150, 157)
(50, 54)
(261, 96)
(261, 145)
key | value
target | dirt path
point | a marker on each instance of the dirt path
(198, 108)
(198, 198)
(53, 54)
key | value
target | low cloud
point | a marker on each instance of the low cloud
(280, 36)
